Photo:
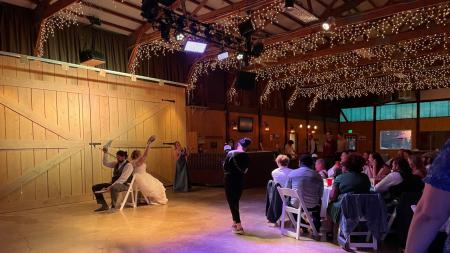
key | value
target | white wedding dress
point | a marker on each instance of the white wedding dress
(150, 187)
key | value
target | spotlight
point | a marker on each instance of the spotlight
(246, 27)
(257, 49)
(193, 28)
(208, 32)
(150, 10)
(240, 56)
(222, 56)
(196, 47)
(165, 30)
(288, 5)
(328, 23)
(179, 36)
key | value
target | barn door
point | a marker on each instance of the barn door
(50, 117)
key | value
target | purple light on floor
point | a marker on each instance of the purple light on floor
(196, 47)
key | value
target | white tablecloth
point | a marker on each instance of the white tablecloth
(325, 198)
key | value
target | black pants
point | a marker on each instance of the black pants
(99, 196)
(315, 211)
(233, 190)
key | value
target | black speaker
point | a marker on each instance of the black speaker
(246, 80)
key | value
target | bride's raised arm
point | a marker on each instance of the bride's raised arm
(143, 157)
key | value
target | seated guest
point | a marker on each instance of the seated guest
(341, 158)
(378, 169)
(280, 174)
(309, 185)
(122, 175)
(417, 166)
(400, 180)
(351, 181)
(320, 167)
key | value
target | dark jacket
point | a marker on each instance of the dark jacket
(274, 203)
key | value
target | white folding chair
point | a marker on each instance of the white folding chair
(350, 244)
(134, 191)
(301, 212)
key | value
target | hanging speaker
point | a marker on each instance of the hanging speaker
(246, 80)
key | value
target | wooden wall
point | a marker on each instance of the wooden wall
(48, 117)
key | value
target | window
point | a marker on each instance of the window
(398, 111)
(357, 114)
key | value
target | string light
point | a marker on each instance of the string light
(61, 19)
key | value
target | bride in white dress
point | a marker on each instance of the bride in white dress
(150, 187)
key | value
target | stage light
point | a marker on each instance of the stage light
(328, 23)
(246, 27)
(288, 5)
(193, 28)
(179, 36)
(196, 47)
(300, 126)
(165, 30)
(257, 49)
(240, 56)
(222, 56)
(315, 127)
(308, 126)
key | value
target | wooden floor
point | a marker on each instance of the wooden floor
(198, 221)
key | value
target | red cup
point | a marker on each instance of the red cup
(329, 181)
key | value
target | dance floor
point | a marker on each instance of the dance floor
(198, 221)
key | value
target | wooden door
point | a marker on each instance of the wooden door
(50, 116)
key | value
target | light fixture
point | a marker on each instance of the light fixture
(308, 126)
(315, 127)
(328, 23)
(292, 131)
(235, 128)
(196, 47)
(288, 5)
(266, 128)
(179, 36)
(240, 56)
(313, 132)
(222, 56)
(300, 126)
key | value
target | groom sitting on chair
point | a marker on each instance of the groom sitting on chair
(122, 176)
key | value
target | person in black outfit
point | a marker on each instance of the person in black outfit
(235, 166)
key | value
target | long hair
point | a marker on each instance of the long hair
(403, 167)
(380, 162)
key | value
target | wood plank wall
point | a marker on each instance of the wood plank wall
(48, 117)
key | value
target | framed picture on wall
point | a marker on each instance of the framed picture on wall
(395, 139)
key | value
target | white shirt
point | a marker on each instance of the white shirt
(126, 172)
(332, 171)
(393, 178)
(280, 175)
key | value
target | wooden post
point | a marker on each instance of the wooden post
(285, 117)
(227, 110)
(374, 129)
(259, 118)
(417, 117)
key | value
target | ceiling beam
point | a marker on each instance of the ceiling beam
(337, 12)
(363, 17)
(54, 8)
(199, 7)
(118, 14)
(366, 44)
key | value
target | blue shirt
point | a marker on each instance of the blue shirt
(309, 184)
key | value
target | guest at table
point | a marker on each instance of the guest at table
(417, 166)
(280, 174)
(433, 209)
(309, 185)
(352, 180)
(378, 169)
(320, 167)
(341, 158)
(400, 180)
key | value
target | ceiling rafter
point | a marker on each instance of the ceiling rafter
(199, 7)
(337, 12)
(363, 17)
(118, 14)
